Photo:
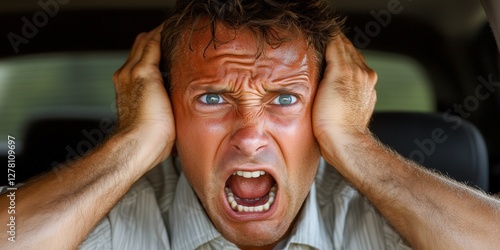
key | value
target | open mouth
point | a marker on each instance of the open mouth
(251, 191)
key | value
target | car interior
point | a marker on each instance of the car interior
(437, 63)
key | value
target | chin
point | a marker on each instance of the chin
(259, 233)
(254, 236)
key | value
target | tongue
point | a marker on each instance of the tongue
(251, 188)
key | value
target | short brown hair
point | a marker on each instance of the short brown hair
(314, 19)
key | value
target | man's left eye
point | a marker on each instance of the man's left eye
(285, 100)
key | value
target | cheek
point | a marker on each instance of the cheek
(299, 147)
(197, 142)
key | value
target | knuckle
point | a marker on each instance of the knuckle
(140, 36)
(116, 75)
(150, 46)
(137, 70)
(120, 76)
(371, 71)
(152, 43)
(373, 76)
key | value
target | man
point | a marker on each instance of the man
(250, 113)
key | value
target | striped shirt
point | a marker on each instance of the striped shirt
(161, 211)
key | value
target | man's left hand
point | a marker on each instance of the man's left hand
(345, 98)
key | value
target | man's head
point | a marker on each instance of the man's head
(312, 19)
(244, 76)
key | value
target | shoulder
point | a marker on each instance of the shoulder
(137, 220)
(354, 222)
(331, 185)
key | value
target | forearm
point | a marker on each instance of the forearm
(58, 209)
(429, 210)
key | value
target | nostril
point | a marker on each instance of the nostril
(249, 147)
(249, 140)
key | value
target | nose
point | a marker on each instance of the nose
(249, 140)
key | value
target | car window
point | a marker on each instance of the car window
(37, 83)
(29, 84)
(403, 84)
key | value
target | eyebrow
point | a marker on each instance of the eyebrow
(286, 84)
(296, 87)
(223, 86)
(212, 85)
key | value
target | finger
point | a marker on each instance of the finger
(139, 44)
(135, 53)
(335, 50)
(152, 51)
(136, 45)
(154, 32)
(356, 55)
(339, 62)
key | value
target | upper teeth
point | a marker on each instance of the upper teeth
(253, 174)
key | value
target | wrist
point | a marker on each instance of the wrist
(341, 145)
(147, 147)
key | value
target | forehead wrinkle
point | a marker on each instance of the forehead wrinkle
(210, 84)
(247, 91)
(293, 78)
(244, 78)
(283, 66)
(296, 76)
(299, 81)
(231, 57)
(229, 62)
(220, 75)
(298, 65)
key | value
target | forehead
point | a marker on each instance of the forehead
(197, 55)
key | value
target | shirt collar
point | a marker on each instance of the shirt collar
(190, 227)
(310, 228)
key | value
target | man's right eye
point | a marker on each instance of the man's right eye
(212, 99)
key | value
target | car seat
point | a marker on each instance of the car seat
(53, 137)
(442, 142)
(435, 141)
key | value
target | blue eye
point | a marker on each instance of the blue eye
(211, 99)
(285, 100)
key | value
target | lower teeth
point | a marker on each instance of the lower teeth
(241, 208)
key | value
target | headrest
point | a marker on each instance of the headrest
(55, 137)
(443, 142)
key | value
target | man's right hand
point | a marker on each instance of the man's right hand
(142, 101)
(81, 192)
